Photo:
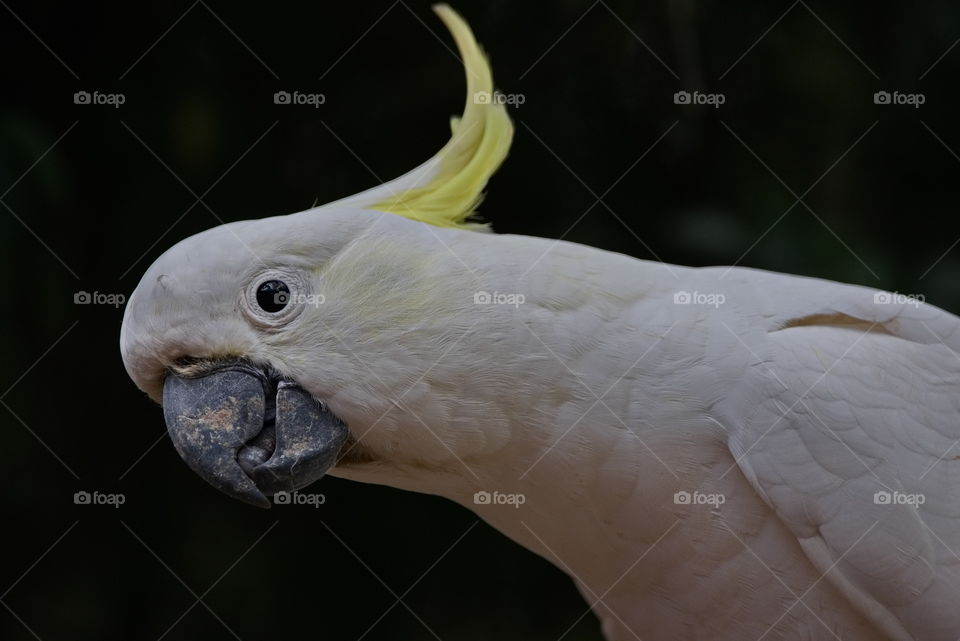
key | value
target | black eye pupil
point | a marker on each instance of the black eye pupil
(273, 295)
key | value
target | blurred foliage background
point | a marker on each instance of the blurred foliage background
(91, 194)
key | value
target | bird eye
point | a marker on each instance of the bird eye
(273, 296)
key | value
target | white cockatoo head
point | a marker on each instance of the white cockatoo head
(278, 346)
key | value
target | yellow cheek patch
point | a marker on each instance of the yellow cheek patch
(479, 143)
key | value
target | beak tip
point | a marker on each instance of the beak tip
(262, 503)
(244, 489)
(249, 493)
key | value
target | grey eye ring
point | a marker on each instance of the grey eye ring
(271, 299)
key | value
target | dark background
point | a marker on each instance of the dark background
(92, 194)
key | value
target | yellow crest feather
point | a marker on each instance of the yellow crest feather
(478, 145)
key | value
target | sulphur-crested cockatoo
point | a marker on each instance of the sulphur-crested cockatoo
(724, 454)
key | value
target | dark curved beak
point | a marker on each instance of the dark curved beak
(248, 434)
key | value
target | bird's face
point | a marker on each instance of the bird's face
(241, 332)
